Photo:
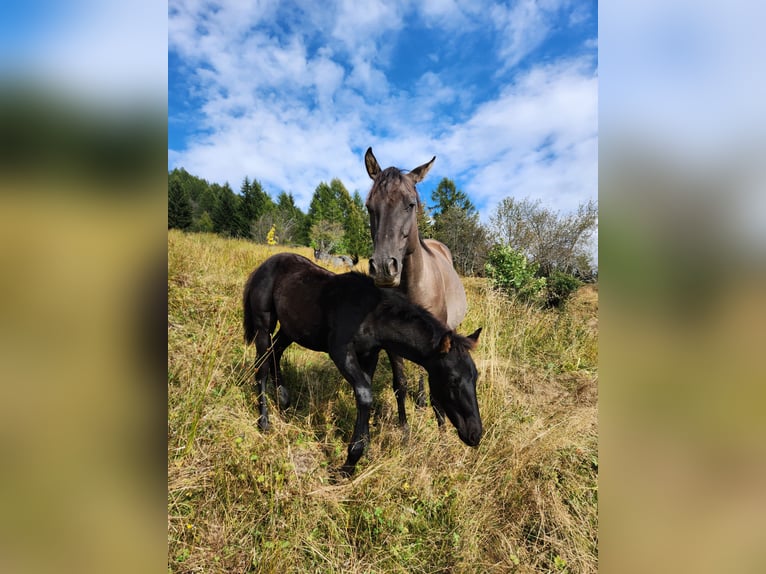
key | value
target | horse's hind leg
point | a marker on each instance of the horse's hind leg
(281, 342)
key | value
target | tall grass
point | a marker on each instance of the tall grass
(243, 501)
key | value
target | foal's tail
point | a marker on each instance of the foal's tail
(248, 320)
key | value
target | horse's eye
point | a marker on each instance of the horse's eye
(409, 207)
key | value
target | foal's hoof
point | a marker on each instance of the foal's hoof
(344, 472)
(405, 433)
(263, 423)
(339, 474)
(283, 396)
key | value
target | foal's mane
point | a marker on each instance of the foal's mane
(397, 305)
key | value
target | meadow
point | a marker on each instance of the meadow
(240, 500)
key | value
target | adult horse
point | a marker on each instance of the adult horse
(420, 268)
(349, 318)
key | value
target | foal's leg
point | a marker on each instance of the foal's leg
(400, 387)
(262, 343)
(350, 367)
(281, 342)
(438, 411)
(420, 401)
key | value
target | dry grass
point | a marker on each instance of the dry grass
(243, 501)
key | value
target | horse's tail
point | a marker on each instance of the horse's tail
(248, 321)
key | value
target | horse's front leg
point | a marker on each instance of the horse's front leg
(351, 369)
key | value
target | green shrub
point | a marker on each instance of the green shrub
(560, 287)
(509, 271)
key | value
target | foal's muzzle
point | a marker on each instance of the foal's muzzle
(385, 271)
(471, 432)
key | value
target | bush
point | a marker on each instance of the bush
(204, 224)
(509, 271)
(559, 287)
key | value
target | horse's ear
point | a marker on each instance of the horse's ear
(373, 169)
(474, 337)
(446, 343)
(419, 173)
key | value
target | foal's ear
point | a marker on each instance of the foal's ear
(474, 337)
(446, 343)
(420, 172)
(373, 169)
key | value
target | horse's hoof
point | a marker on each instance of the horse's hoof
(420, 401)
(284, 397)
(263, 424)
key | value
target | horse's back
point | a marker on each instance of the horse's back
(447, 281)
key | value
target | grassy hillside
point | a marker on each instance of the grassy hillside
(241, 501)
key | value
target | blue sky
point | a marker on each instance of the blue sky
(505, 95)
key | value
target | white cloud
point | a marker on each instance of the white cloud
(95, 51)
(537, 139)
(523, 27)
(685, 75)
(279, 109)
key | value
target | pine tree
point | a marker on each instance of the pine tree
(254, 203)
(291, 221)
(358, 238)
(226, 220)
(466, 238)
(179, 206)
(331, 204)
(425, 224)
(446, 196)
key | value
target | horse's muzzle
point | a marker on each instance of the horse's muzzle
(386, 273)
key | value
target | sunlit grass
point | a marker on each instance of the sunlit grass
(239, 500)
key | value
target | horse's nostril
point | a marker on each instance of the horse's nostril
(372, 267)
(393, 266)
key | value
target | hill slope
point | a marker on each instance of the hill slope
(243, 501)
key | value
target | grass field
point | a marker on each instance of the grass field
(239, 500)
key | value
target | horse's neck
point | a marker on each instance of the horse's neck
(420, 285)
(429, 280)
(414, 273)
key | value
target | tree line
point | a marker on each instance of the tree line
(523, 242)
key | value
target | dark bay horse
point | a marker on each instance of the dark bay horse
(420, 268)
(351, 319)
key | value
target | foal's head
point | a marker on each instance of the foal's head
(393, 205)
(452, 380)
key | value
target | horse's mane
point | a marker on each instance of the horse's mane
(391, 178)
